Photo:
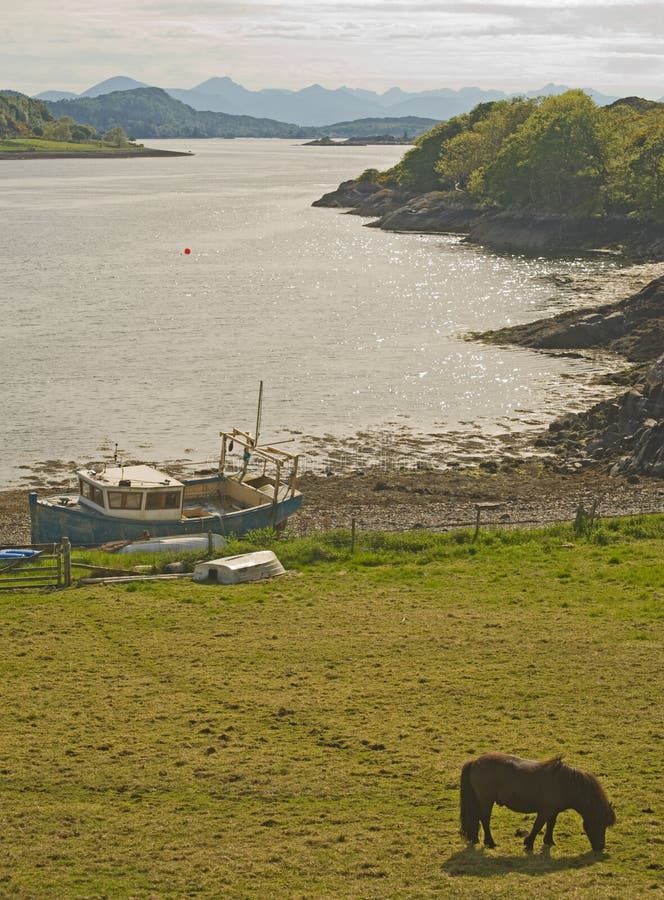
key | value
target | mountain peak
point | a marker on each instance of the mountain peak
(216, 82)
(117, 83)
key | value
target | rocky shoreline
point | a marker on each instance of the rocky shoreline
(625, 434)
(395, 209)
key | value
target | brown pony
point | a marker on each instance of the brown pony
(529, 786)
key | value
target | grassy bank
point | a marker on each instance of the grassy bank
(28, 147)
(304, 737)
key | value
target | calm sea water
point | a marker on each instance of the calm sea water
(111, 333)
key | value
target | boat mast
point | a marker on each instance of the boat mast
(259, 413)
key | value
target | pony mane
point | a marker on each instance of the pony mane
(553, 764)
(589, 790)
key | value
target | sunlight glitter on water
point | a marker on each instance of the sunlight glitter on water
(111, 331)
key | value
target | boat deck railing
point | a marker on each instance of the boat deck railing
(268, 454)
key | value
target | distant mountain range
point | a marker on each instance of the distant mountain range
(318, 106)
(146, 112)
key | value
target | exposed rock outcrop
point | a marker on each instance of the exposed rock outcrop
(432, 214)
(560, 235)
(627, 433)
(633, 327)
(514, 231)
(364, 198)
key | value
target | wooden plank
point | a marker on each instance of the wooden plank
(131, 578)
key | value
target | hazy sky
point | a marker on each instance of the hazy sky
(615, 46)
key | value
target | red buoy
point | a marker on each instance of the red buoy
(187, 250)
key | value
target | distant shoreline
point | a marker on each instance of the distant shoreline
(102, 154)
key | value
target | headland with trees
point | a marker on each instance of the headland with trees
(28, 129)
(552, 174)
(556, 175)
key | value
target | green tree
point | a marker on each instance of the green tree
(22, 116)
(60, 130)
(645, 173)
(417, 169)
(372, 175)
(117, 136)
(634, 181)
(555, 161)
(465, 156)
(82, 134)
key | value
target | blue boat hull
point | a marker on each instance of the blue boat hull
(51, 522)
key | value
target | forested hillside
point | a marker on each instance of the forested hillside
(20, 116)
(407, 127)
(23, 117)
(152, 113)
(560, 154)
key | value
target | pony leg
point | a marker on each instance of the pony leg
(485, 818)
(470, 807)
(548, 835)
(537, 827)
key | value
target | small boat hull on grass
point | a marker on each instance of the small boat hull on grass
(10, 554)
(185, 543)
(239, 569)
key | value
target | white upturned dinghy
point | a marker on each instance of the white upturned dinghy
(238, 569)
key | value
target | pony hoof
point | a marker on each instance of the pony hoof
(490, 845)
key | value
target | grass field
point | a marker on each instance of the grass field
(38, 145)
(303, 737)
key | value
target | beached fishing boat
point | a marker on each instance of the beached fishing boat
(119, 503)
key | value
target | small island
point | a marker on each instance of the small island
(360, 141)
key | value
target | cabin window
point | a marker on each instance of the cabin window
(91, 492)
(163, 500)
(123, 500)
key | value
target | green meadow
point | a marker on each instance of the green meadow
(303, 737)
(39, 145)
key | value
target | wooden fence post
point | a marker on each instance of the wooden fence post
(66, 558)
(479, 507)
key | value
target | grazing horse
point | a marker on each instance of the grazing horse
(530, 786)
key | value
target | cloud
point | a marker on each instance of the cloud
(73, 44)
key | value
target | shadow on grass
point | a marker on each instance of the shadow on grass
(480, 863)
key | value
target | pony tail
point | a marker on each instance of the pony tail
(470, 808)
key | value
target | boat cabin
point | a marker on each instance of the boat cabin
(131, 492)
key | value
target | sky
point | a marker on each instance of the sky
(613, 46)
